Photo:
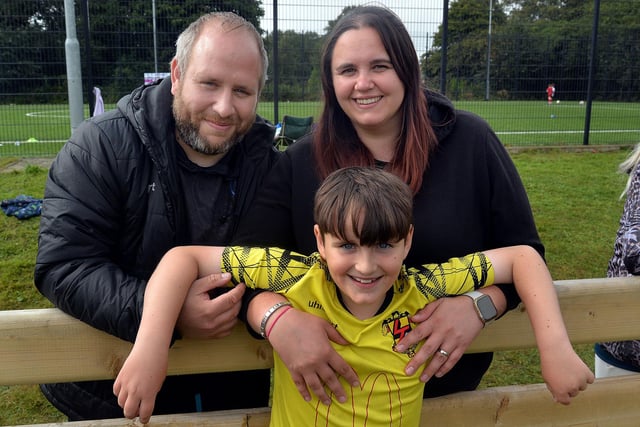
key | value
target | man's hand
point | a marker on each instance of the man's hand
(205, 317)
(302, 341)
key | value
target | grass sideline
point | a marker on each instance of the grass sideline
(574, 196)
(40, 130)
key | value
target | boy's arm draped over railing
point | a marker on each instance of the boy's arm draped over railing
(46, 345)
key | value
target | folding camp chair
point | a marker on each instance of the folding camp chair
(292, 129)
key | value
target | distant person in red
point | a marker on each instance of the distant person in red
(551, 91)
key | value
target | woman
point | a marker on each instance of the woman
(623, 357)
(467, 197)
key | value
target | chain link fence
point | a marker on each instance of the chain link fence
(493, 57)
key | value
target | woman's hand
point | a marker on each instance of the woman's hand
(302, 342)
(447, 326)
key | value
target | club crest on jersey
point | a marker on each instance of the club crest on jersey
(398, 325)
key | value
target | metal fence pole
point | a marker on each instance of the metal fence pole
(274, 65)
(74, 68)
(445, 41)
(592, 66)
(486, 95)
(87, 52)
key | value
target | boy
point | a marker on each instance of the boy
(357, 281)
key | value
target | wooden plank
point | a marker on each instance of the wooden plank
(594, 310)
(610, 402)
(258, 417)
(46, 345)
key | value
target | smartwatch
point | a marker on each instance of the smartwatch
(484, 306)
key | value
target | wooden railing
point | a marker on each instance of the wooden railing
(46, 345)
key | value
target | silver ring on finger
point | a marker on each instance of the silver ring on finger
(444, 353)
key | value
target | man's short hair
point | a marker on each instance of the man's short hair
(228, 21)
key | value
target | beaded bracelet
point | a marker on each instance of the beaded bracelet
(268, 314)
(280, 314)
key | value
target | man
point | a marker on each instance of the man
(178, 162)
(551, 91)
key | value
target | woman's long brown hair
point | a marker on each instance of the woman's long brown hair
(336, 143)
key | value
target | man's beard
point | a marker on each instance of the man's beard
(189, 134)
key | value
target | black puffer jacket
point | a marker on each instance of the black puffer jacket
(113, 206)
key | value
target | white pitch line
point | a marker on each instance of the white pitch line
(550, 132)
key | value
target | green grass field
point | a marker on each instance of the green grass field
(574, 197)
(517, 123)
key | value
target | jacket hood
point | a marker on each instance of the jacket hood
(149, 110)
(441, 112)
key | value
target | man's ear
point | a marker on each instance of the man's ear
(175, 76)
(319, 240)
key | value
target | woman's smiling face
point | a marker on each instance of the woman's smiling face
(366, 85)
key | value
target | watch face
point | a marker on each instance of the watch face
(486, 307)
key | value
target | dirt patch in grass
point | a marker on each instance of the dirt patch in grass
(17, 164)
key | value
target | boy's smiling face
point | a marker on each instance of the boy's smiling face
(363, 274)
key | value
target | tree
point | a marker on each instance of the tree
(298, 55)
(618, 50)
(122, 36)
(467, 44)
(31, 32)
(332, 22)
(121, 41)
(549, 40)
(299, 62)
(535, 42)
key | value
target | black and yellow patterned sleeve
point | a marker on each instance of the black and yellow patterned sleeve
(454, 277)
(265, 268)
